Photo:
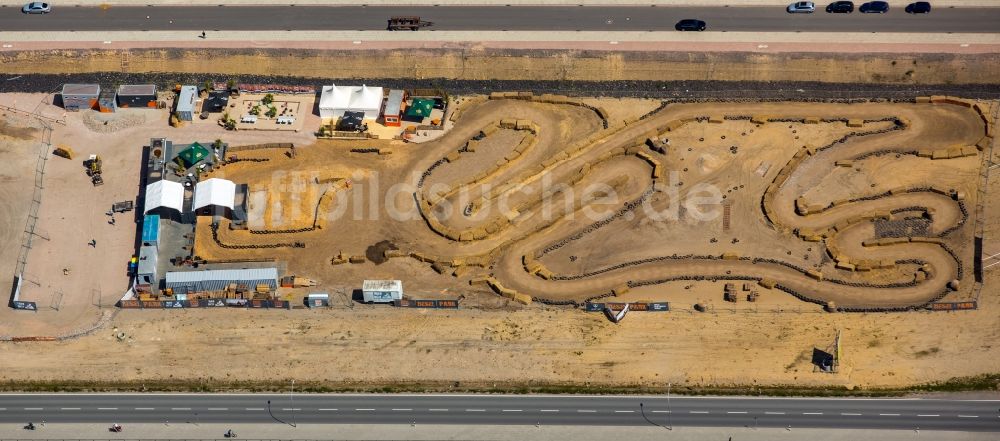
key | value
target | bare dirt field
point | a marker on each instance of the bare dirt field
(866, 206)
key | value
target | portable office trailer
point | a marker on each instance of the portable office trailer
(393, 108)
(80, 96)
(316, 300)
(381, 291)
(151, 230)
(137, 95)
(145, 275)
(185, 103)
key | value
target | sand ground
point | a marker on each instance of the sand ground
(490, 340)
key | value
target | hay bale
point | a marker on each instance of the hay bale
(855, 123)
(923, 100)
(716, 119)
(767, 283)
(523, 299)
(480, 280)
(453, 156)
(844, 163)
(815, 274)
(954, 284)
(358, 259)
(440, 268)
(621, 290)
(730, 256)
(522, 124)
(508, 123)
(497, 95)
(759, 119)
(811, 120)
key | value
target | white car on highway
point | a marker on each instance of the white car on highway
(36, 8)
(802, 7)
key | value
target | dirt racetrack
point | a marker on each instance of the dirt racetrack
(853, 206)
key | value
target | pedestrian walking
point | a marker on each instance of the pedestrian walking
(112, 221)
(203, 34)
(93, 243)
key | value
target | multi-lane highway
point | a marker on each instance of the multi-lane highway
(492, 18)
(926, 414)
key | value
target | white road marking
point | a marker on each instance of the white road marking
(735, 412)
(180, 408)
(698, 411)
(968, 416)
(149, 408)
(812, 413)
(2, 409)
(586, 411)
(259, 408)
(661, 411)
(365, 410)
(69, 408)
(511, 410)
(333, 410)
(929, 415)
(221, 408)
(888, 414)
(774, 413)
(107, 408)
(296, 409)
(549, 410)
(624, 411)
(437, 410)
(32, 408)
(475, 410)
(850, 414)
(402, 410)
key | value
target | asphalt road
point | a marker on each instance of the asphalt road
(929, 414)
(492, 18)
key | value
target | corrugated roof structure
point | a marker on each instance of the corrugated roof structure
(186, 99)
(394, 103)
(151, 228)
(382, 285)
(81, 89)
(137, 89)
(185, 282)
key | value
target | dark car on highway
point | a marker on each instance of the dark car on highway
(918, 8)
(690, 24)
(874, 8)
(840, 7)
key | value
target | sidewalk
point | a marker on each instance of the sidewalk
(894, 3)
(610, 41)
(182, 430)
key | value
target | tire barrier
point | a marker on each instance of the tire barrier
(215, 237)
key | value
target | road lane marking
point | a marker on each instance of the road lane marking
(437, 410)
(812, 413)
(888, 414)
(295, 409)
(735, 412)
(149, 408)
(774, 413)
(850, 414)
(221, 408)
(259, 408)
(511, 410)
(402, 410)
(180, 408)
(661, 411)
(586, 411)
(32, 408)
(107, 408)
(968, 416)
(929, 415)
(624, 411)
(2, 409)
(549, 410)
(69, 408)
(333, 410)
(698, 411)
(475, 410)
(365, 410)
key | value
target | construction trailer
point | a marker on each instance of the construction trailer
(213, 283)
(151, 230)
(137, 95)
(381, 291)
(146, 273)
(185, 108)
(316, 300)
(77, 97)
(393, 113)
(106, 102)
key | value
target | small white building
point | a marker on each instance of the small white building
(335, 100)
(382, 291)
(162, 195)
(185, 103)
(213, 196)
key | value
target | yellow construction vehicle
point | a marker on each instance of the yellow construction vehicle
(93, 165)
(63, 151)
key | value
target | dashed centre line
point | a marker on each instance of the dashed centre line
(549, 410)
(107, 408)
(511, 410)
(661, 411)
(774, 413)
(475, 410)
(69, 408)
(259, 408)
(32, 408)
(180, 408)
(437, 410)
(968, 416)
(812, 413)
(928, 415)
(850, 414)
(736, 412)
(624, 411)
(149, 408)
(402, 410)
(586, 411)
(331, 410)
(365, 410)
(218, 408)
(293, 409)
(888, 414)
(698, 411)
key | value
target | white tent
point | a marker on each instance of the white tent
(215, 191)
(335, 100)
(164, 193)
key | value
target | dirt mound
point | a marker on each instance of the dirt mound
(376, 253)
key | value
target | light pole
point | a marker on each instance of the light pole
(670, 424)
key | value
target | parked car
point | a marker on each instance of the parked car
(918, 8)
(36, 8)
(874, 8)
(690, 24)
(801, 8)
(840, 7)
